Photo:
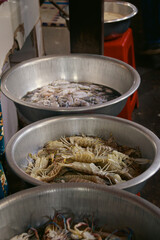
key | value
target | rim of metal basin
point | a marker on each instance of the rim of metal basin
(151, 170)
(40, 190)
(132, 14)
(10, 95)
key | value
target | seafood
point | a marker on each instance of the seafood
(85, 159)
(53, 172)
(62, 93)
(55, 232)
(80, 178)
(23, 236)
(84, 141)
(66, 228)
(81, 155)
(32, 233)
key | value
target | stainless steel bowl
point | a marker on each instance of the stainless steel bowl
(35, 73)
(114, 28)
(112, 207)
(34, 136)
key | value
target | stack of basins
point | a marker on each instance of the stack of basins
(83, 157)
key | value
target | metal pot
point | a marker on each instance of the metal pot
(38, 72)
(116, 27)
(34, 136)
(108, 206)
(113, 28)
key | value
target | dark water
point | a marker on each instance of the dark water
(102, 92)
(71, 94)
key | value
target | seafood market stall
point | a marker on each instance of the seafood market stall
(70, 85)
(81, 158)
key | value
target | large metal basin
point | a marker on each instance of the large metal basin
(35, 73)
(114, 28)
(112, 207)
(34, 136)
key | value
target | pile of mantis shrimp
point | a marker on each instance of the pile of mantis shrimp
(63, 228)
(85, 159)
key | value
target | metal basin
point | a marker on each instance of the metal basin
(114, 28)
(112, 207)
(38, 72)
(34, 136)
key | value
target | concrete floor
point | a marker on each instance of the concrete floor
(148, 113)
